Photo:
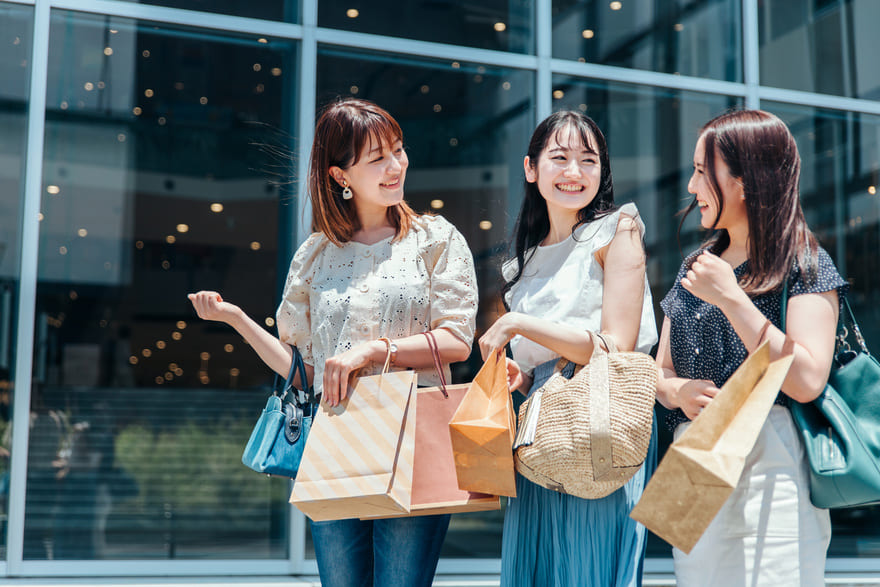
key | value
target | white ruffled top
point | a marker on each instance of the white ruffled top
(563, 283)
(337, 297)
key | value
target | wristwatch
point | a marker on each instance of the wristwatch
(390, 347)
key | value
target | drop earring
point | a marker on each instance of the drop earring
(346, 192)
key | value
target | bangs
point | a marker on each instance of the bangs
(576, 131)
(369, 129)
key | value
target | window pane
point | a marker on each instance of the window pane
(503, 25)
(701, 38)
(466, 127)
(281, 10)
(16, 24)
(651, 136)
(827, 47)
(840, 178)
(155, 185)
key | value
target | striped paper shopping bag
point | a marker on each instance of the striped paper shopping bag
(358, 460)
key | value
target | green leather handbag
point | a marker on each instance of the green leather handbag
(841, 428)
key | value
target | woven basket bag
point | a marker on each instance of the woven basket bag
(588, 435)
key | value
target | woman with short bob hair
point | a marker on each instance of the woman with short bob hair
(725, 301)
(371, 279)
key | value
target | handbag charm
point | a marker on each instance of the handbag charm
(276, 444)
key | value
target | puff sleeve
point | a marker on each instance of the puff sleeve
(293, 317)
(453, 291)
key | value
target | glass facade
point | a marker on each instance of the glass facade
(16, 28)
(172, 143)
(503, 25)
(699, 38)
(156, 183)
(825, 46)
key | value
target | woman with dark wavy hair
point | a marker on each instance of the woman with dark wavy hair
(579, 266)
(370, 280)
(725, 301)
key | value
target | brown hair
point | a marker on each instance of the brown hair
(343, 129)
(762, 154)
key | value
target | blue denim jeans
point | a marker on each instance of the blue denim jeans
(396, 552)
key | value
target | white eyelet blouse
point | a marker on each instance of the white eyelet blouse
(564, 282)
(337, 297)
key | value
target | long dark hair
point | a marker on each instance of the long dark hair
(343, 129)
(761, 153)
(533, 223)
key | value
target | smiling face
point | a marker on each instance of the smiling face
(568, 172)
(712, 214)
(377, 179)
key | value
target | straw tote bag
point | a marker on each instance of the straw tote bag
(588, 435)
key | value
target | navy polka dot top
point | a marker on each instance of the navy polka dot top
(703, 343)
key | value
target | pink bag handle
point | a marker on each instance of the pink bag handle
(435, 354)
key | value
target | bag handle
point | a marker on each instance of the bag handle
(600, 406)
(842, 332)
(562, 363)
(435, 354)
(301, 396)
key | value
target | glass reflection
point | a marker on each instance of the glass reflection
(466, 128)
(281, 10)
(699, 38)
(16, 24)
(651, 135)
(506, 25)
(840, 174)
(826, 47)
(155, 185)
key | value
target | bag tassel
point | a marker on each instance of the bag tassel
(526, 433)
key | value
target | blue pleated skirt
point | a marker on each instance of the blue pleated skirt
(559, 540)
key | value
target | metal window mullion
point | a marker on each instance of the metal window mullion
(826, 101)
(656, 79)
(154, 568)
(751, 53)
(183, 17)
(544, 52)
(308, 87)
(442, 51)
(27, 285)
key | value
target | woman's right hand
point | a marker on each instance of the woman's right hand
(209, 305)
(695, 395)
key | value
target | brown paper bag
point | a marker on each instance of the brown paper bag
(701, 468)
(435, 486)
(482, 431)
(358, 460)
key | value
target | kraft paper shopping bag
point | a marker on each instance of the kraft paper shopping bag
(482, 431)
(701, 468)
(435, 486)
(358, 460)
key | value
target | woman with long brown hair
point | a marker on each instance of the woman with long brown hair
(579, 268)
(725, 301)
(370, 280)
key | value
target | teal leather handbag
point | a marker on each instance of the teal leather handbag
(841, 428)
(277, 441)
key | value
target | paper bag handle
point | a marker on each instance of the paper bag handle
(435, 354)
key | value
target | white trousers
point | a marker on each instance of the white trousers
(767, 533)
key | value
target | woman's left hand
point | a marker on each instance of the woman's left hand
(712, 279)
(499, 334)
(338, 371)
